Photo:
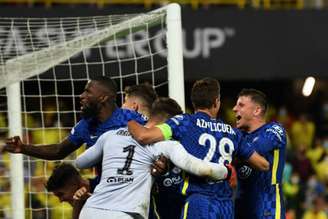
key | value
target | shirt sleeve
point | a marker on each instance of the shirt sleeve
(182, 159)
(132, 115)
(166, 131)
(274, 137)
(77, 132)
(92, 156)
(178, 126)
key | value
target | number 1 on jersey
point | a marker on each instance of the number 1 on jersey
(126, 169)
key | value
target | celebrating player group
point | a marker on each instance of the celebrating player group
(154, 161)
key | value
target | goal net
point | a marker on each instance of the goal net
(44, 66)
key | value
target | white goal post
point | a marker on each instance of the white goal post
(19, 66)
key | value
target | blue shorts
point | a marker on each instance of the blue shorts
(199, 206)
(262, 207)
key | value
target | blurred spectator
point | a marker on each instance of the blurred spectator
(290, 214)
(316, 152)
(314, 188)
(322, 168)
(3, 126)
(317, 211)
(325, 143)
(283, 117)
(302, 165)
(302, 169)
(292, 194)
(302, 132)
(318, 156)
(49, 133)
(5, 203)
(288, 170)
(5, 197)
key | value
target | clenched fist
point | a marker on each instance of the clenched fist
(13, 145)
(160, 166)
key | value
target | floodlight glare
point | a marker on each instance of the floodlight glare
(308, 86)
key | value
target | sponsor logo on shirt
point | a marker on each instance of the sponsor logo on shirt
(93, 137)
(116, 180)
(175, 180)
(244, 172)
(255, 139)
(277, 131)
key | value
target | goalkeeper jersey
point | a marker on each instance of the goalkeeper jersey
(126, 182)
(208, 139)
(259, 193)
(89, 130)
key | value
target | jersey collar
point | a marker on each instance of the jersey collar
(204, 116)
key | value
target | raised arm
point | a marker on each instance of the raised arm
(143, 134)
(48, 152)
(182, 159)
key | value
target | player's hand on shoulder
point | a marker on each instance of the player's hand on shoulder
(13, 145)
(81, 194)
(160, 166)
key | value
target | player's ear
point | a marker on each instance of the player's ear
(135, 106)
(217, 103)
(104, 98)
(257, 111)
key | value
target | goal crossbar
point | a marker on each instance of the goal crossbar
(31, 64)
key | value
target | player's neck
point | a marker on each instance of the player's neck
(106, 112)
(209, 112)
(255, 125)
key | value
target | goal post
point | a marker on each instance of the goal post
(40, 62)
(16, 160)
(175, 54)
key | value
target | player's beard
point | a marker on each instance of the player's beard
(92, 110)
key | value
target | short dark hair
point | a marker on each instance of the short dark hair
(204, 92)
(144, 91)
(62, 175)
(165, 107)
(256, 96)
(108, 83)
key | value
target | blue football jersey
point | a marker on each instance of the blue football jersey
(89, 130)
(211, 140)
(259, 193)
(168, 200)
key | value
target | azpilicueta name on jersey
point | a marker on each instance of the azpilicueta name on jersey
(215, 126)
